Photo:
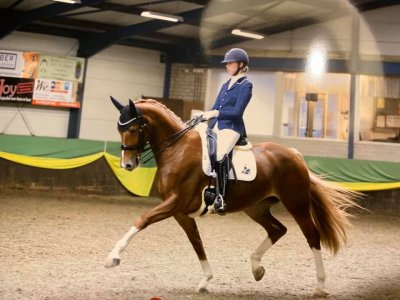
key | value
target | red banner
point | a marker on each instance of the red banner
(16, 89)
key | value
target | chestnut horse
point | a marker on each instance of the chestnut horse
(282, 175)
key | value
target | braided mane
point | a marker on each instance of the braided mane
(163, 107)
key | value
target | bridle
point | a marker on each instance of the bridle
(142, 144)
(124, 126)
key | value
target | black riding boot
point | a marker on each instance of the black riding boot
(222, 179)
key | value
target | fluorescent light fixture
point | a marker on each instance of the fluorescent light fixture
(69, 1)
(247, 34)
(161, 16)
(317, 60)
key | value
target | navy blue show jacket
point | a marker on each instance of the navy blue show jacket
(231, 104)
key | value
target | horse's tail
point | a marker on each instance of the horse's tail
(329, 209)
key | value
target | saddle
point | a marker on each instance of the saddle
(239, 165)
(241, 159)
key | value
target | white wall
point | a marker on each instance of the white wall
(123, 72)
(379, 34)
(334, 35)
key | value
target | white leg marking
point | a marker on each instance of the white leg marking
(258, 271)
(319, 265)
(207, 276)
(113, 259)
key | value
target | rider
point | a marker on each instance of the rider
(227, 112)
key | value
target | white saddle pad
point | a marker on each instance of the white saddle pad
(243, 158)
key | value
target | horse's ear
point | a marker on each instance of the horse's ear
(132, 108)
(118, 105)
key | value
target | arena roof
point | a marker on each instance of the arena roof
(207, 24)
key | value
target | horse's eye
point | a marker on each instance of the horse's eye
(132, 130)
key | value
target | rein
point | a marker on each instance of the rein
(175, 137)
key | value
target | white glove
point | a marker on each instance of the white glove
(210, 114)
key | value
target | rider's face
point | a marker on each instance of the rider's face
(231, 67)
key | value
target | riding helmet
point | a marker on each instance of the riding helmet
(236, 54)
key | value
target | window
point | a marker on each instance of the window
(379, 109)
(316, 110)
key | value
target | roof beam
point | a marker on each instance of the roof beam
(75, 33)
(16, 3)
(11, 20)
(88, 26)
(96, 43)
(51, 30)
(85, 28)
(128, 9)
(375, 4)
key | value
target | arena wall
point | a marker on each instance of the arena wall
(12, 115)
(97, 179)
(122, 71)
(125, 73)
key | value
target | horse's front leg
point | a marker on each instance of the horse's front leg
(190, 227)
(160, 212)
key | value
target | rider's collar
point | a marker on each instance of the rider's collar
(236, 78)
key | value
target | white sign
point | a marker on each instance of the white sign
(11, 63)
(55, 93)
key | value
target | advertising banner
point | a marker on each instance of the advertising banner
(18, 64)
(61, 68)
(16, 89)
(40, 79)
(55, 93)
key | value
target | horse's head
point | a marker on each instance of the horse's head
(131, 128)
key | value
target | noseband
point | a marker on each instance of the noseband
(141, 145)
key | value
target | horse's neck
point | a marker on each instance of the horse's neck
(163, 126)
(163, 131)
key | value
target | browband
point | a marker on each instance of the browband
(124, 126)
(131, 120)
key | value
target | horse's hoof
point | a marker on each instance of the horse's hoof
(259, 273)
(202, 290)
(112, 262)
(320, 293)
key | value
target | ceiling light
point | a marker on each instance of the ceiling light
(316, 60)
(69, 1)
(161, 16)
(247, 34)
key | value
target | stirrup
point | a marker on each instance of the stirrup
(210, 193)
(219, 205)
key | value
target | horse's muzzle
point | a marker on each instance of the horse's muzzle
(127, 163)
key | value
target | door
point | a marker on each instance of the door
(312, 115)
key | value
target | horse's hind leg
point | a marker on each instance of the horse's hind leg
(262, 215)
(190, 228)
(302, 215)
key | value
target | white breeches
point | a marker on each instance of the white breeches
(226, 140)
